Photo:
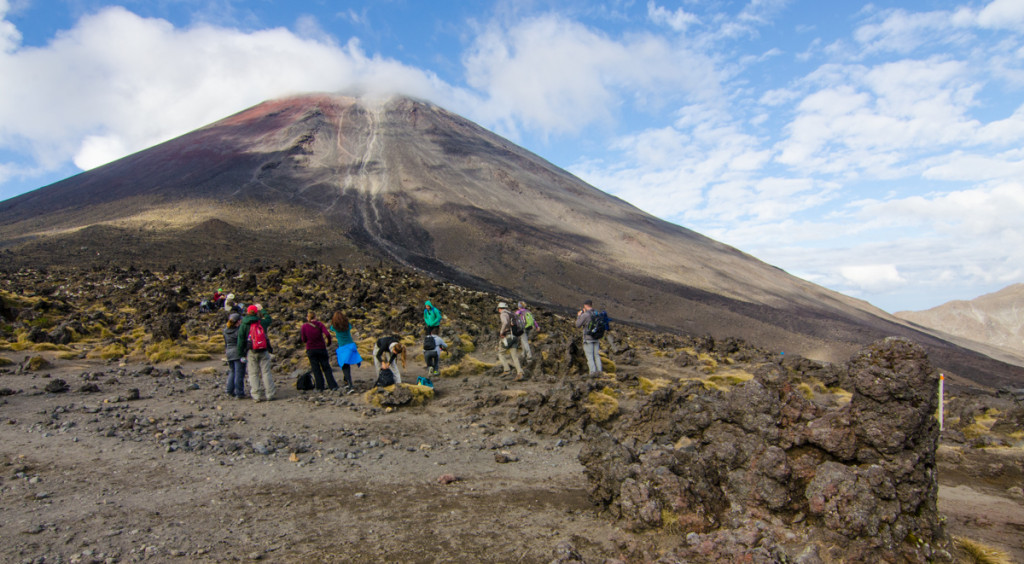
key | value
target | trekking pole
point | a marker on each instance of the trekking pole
(942, 382)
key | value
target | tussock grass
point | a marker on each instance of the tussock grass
(979, 553)
(5, 361)
(110, 352)
(420, 394)
(68, 355)
(451, 371)
(466, 344)
(50, 347)
(732, 377)
(601, 406)
(477, 366)
(649, 386)
(167, 349)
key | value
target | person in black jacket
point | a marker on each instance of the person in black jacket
(390, 347)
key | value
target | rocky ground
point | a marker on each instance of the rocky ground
(119, 444)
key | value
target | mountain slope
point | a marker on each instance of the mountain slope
(995, 319)
(331, 178)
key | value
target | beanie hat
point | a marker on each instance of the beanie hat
(234, 317)
(252, 310)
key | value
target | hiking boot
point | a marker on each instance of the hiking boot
(350, 390)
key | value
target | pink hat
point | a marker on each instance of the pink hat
(252, 310)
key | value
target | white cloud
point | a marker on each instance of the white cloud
(873, 277)
(1005, 14)
(552, 74)
(116, 82)
(679, 20)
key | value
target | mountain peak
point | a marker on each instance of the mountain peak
(332, 178)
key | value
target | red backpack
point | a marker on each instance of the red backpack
(257, 337)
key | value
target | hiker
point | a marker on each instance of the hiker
(391, 347)
(433, 344)
(236, 370)
(530, 325)
(507, 341)
(254, 343)
(347, 352)
(219, 298)
(431, 316)
(230, 306)
(316, 337)
(591, 345)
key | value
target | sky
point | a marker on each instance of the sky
(875, 148)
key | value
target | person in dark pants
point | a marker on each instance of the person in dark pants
(316, 337)
(347, 351)
(236, 370)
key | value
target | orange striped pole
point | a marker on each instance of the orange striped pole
(942, 382)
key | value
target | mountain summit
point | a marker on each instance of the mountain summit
(339, 179)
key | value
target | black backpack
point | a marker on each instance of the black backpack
(516, 324)
(598, 324)
(429, 343)
(385, 378)
(304, 381)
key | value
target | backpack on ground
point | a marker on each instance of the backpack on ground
(429, 343)
(385, 378)
(424, 381)
(304, 381)
(516, 324)
(598, 324)
(257, 337)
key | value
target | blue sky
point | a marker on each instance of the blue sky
(873, 148)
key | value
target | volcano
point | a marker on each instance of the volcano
(361, 181)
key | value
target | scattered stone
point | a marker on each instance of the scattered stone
(505, 457)
(57, 386)
(445, 479)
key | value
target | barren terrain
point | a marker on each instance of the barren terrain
(186, 472)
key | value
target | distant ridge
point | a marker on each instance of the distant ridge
(338, 179)
(995, 320)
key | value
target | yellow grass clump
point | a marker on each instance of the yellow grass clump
(168, 350)
(649, 386)
(466, 344)
(451, 371)
(67, 355)
(978, 553)
(109, 352)
(49, 347)
(5, 361)
(477, 366)
(601, 407)
(420, 394)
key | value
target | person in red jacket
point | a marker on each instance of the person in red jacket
(316, 337)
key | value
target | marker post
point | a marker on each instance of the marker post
(942, 382)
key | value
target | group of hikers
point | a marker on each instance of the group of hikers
(248, 348)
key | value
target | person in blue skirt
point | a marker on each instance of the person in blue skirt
(348, 353)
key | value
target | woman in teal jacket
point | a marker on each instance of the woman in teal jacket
(431, 316)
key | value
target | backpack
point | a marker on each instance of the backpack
(528, 320)
(424, 381)
(598, 324)
(304, 381)
(516, 324)
(429, 343)
(257, 337)
(385, 378)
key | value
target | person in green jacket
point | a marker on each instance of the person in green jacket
(431, 316)
(261, 381)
